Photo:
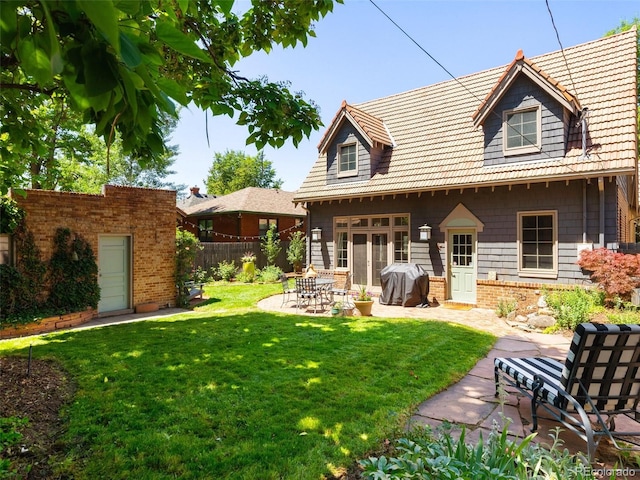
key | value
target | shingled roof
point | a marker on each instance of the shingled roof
(371, 128)
(251, 200)
(437, 146)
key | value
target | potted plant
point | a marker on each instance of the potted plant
(249, 263)
(363, 301)
(296, 250)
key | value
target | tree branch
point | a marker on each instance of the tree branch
(28, 87)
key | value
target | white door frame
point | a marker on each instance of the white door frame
(461, 219)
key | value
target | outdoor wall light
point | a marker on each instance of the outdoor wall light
(316, 234)
(425, 233)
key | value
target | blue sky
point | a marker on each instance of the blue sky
(359, 55)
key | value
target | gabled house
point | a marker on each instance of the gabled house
(506, 174)
(244, 215)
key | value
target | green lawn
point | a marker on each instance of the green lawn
(238, 393)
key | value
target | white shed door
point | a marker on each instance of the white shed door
(113, 273)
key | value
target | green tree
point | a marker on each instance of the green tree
(234, 170)
(271, 245)
(74, 158)
(121, 63)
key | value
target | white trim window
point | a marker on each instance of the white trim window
(347, 159)
(522, 130)
(538, 244)
(401, 239)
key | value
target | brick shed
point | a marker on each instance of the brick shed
(131, 231)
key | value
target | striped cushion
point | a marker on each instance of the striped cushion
(523, 370)
(606, 360)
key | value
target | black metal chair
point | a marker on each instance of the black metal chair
(600, 377)
(286, 291)
(306, 290)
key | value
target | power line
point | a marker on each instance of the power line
(566, 64)
(473, 94)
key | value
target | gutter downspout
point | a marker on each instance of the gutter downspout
(307, 233)
(601, 196)
(584, 211)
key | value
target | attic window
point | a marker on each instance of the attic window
(347, 160)
(521, 131)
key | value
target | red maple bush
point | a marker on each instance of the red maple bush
(617, 274)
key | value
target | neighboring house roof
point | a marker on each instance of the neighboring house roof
(370, 127)
(250, 200)
(437, 147)
(194, 198)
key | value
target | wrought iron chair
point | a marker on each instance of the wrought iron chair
(306, 290)
(286, 291)
(600, 377)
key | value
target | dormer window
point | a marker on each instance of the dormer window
(521, 131)
(347, 160)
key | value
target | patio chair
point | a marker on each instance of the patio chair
(343, 290)
(286, 291)
(599, 378)
(306, 290)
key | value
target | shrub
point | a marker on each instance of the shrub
(296, 249)
(615, 273)
(425, 455)
(571, 307)
(506, 306)
(245, 277)
(270, 274)
(200, 275)
(226, 270)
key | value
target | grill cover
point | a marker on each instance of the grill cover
(405, 284)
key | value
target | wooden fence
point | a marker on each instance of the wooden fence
(214, 253)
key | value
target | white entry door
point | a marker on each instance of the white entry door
(114, 260)
(462, 270)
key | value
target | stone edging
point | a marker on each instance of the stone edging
(49, 324)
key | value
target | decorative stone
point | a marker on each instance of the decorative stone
(542, 302)
(542, 321)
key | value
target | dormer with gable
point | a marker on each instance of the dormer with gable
(353, 144)
(527, 116)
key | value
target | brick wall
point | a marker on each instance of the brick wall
(147, 216)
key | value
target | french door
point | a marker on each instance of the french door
(370, 255)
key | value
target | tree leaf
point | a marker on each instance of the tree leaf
(130, 53)
(178, 41)
(35, 61)
(98, 75)
(174, 90)
(105, 18)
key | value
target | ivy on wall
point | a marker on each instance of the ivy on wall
(73, 274)
(33, 289)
